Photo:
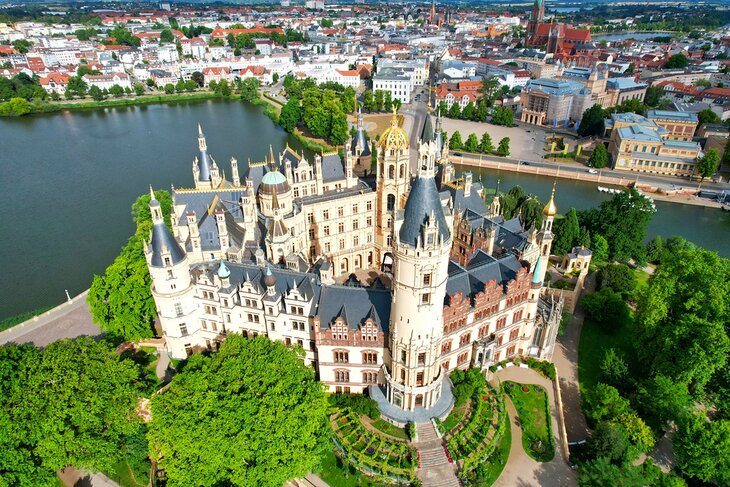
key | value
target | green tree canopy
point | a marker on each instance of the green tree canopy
(71, 404)
(503, 148)
(653, 95)
(567, 231)
(677, 61)
(708, 164)
(253, 411)
(707, 116)
(599, 246)
(485, 144)
(619, 277)
(592, 121)
(703, 449)
(455, 142)
(291, 114)
(599, 157)
(622, 221)
(250, 89)
(607, 309)
(471, 144)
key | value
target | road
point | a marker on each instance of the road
(666, 181)
(414, 116)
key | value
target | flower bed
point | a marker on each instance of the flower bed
(372, 453)
(534, 412)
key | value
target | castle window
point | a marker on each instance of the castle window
(422, 359)
(369, 205)
(342, 376)
(354, 208)
(341, 227)
(391, 202)
(446, 347)
(204, 324)
(462, 358)
(483, 330)
(178, 309)
(355, 224)
(326, 230)
(510, 350)
(183, 329)
(501, 322)
(370, 358)
(340, 211)
(311, 233)
(427, 279)
(445, 365)
(514, 334)
(300, 343)
(419, 379)
(425, 298)
(369, 221)
(403, 356)
(326, 215)
(370, 377)
(169, 274)
(464, 339)
(355, 241)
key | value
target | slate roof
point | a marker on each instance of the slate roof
(423, 200)
(332, 168)
(356, 303)
(427, 135)
(482, 268)
(163, 240)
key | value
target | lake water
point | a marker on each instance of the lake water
(639, 36)
(67, 182)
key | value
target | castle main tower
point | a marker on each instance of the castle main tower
(393, 178)
(422, 243)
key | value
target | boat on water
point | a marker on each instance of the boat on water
(604, 189)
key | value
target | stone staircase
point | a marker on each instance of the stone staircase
(435, 469)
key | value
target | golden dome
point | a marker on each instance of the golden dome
(550, 208)
(394, 137)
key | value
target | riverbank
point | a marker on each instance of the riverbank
(57, 107)
(579, 174)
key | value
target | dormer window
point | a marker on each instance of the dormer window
(168, 262)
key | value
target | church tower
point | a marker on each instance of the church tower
(422, 245)
(537, 16)
(393, 179)
(172, 286)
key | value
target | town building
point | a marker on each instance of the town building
(249, 255)
(554, 101)
(679, 125)
(641, 144)
(397, 82)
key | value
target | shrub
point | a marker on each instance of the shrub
(546, 369)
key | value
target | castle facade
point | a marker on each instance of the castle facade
(445, 281)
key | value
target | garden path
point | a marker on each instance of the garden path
(565, 359)
(435, 469)
(521, 470)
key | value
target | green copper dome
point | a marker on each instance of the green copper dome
(273, 177)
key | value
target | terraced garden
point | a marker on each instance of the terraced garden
(531, 403)
(475, 438)
(377, 455)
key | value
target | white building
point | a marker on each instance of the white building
(106, 81)
(398, 83)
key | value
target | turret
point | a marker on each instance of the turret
(202, 164)
(422, 247)
(234, 172)
(545, 237)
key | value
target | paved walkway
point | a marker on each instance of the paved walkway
(64, 321)
(521, 470)
(565, 359)
(435, 469)
(76, 478)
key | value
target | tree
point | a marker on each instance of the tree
(166, 36)
(503, 148)
(531, 212)
(180, 86)
(630, 105)
(471, 143)
(482, 112)
(224, 89)
(379, 100)
(607, 309)
(455, 110)
(599, 157)
(708, 164)
(120, 301)
(661, 400)
(15, 107)
(338, 127)
(602, 473)
(703, 449)
(592, 121)
(618, 277)
(614, 370)
(116, 91)
(468, 112)
(455, 141)
(291, 114)
(567, 232)
(640, 435)
(124, 37)
(682, 318)
(71, 403)
(22, 45)
(190, 85)
(77, 86)
(250, 89)
(604, 403)
(367, 101)
(653, 95)
(198, 77)
(273, 409)
(707, 116)
(599, 246)
(169, 88)
(677, 61)
(95, 93)
(489, 88)
(610, 440)
(622, 221)
(388, 101)
(485, 144)
(654, 249)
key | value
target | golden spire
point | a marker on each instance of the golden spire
(550, 208)
(271, 155)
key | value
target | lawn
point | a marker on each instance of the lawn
(389, 429)
(642, 278)
(533, 411)
(335, 474)
(496, 463)
(593, 345)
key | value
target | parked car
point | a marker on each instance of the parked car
(592, 171)
(458, 154)
(525, 163)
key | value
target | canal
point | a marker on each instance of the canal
(67, 182)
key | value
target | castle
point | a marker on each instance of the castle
(449, 282)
